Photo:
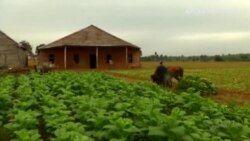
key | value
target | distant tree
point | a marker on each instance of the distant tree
(161, 57)
(182, 58)
(243, 57)
(26, 46)
(204, 58)
(224, 57)
(156, 56)
(218, 58)
(37, 47)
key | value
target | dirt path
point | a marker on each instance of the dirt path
(223, 96)
(226, 97)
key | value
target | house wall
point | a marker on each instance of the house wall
(43, 56)
(10, 53)
(118, 56)
(136, 55)
(83, 57)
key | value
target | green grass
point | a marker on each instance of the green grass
(233, 79)
(232, 76)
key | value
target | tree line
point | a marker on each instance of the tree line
(218, 58)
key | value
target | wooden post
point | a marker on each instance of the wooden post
(96, 57)
(65, 57)
(126, 57)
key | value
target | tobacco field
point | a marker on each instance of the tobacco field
(67, 106)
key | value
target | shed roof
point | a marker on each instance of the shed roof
(6, 41)
(4, 38)
(90, 36)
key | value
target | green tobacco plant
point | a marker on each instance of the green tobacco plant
(27, 135)
(194, 84)
(98, 107)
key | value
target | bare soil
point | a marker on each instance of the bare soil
(227, 97)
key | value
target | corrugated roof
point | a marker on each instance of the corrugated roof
(90, 36)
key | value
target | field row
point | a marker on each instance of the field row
(230, 76)
(93, 106)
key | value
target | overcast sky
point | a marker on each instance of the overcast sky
(178, 27)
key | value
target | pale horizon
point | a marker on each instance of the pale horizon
(172, 28)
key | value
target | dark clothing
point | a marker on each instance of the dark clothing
(160, 73)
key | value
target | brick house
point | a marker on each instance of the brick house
(90, 47)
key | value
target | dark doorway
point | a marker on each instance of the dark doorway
(108, 58)
(76, 58)
(92, 61)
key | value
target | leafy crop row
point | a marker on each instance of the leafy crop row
(94, 106)
(6, 89)
(23, 122)
(59, 123)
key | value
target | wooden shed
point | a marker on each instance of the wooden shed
(90, 47)
(11, 55)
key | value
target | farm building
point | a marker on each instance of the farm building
(90, 47)
(11, 55)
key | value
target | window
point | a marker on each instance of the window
(77, 58)
(108, 58)
(130, 58)
(52, 58)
